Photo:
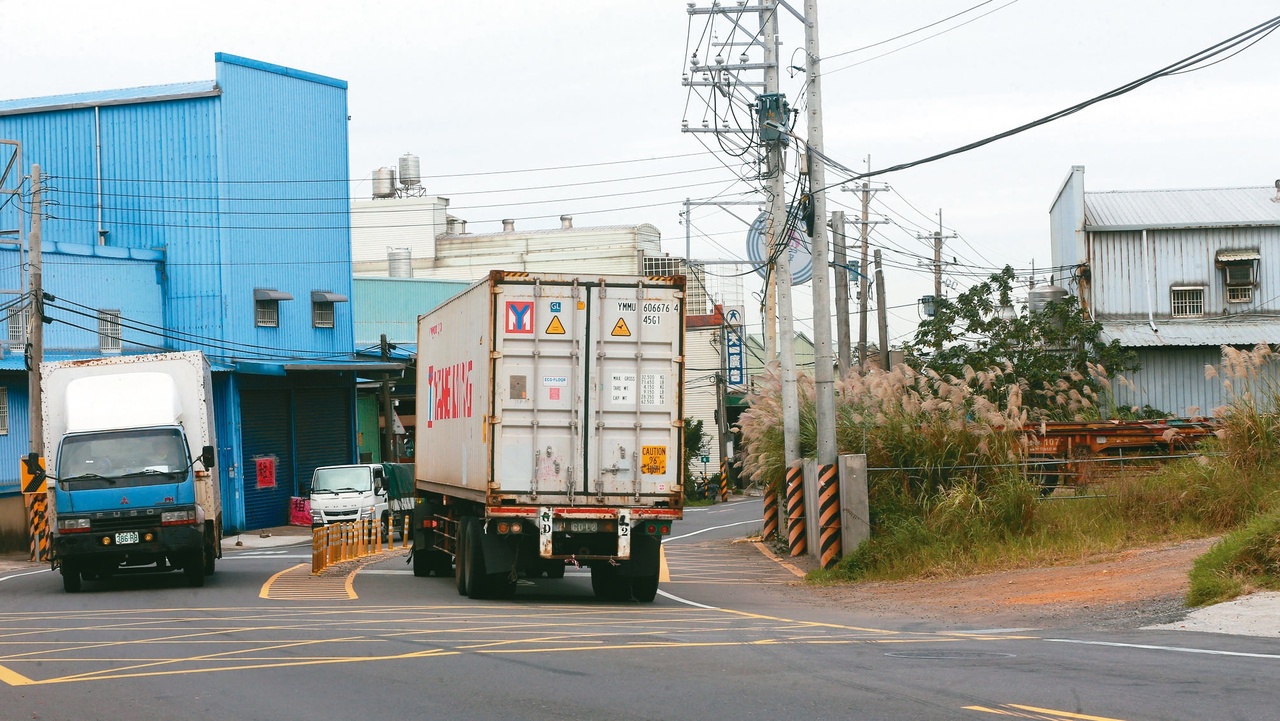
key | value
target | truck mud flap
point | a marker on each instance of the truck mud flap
(499, 551)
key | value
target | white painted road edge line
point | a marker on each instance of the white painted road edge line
(677, 599)
(27, 573)
(713, 528)
(1179, 649)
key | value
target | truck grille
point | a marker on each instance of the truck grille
(102, 522)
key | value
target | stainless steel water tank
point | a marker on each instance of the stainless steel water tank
(409, 173)
(400, 262)
(384, 183)
(1041, 296)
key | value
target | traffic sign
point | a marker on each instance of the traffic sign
(32, 473)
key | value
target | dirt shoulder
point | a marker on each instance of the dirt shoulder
(1122, 590)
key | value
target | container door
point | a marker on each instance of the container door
(268, 457)
(539, 387)
(634, 442)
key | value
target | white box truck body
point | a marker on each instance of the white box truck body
(549, 430)
(131, 446)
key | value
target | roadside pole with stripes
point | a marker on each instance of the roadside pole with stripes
(797, 539)
(770, 528)
(724, 479)
(829, 515)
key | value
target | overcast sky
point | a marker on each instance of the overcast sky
(484, 87)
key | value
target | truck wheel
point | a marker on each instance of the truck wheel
(421, 563)
(386, 527)
(460, 560)
(501, 585)
(193, 571)
(644, 588)
(70, 579)
(608, 584)
(554, 570)
(210, 560)
(477, 580)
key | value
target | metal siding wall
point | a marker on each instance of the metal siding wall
(17, 442)
(159, 164)
(130, 286)
(1179, 257)
(392, 306)
(62, 144)
(1172, 380)
(275, 127)
(226, 400)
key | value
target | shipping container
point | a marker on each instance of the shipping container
(550, 430)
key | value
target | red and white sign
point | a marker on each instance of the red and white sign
(266, 471)
(520, 316)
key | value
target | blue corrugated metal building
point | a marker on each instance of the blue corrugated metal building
(1174, 275)
(211, 216)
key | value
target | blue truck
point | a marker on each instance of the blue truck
(133, 480)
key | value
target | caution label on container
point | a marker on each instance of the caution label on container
(555, 327)
(620, 329)
(653, 460)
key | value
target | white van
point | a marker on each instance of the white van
(343, 494)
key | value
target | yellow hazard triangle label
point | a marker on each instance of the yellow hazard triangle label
(555, 327)
(620, 328)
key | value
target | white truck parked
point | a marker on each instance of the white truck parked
(132, 438)
(549, 431)
(344, 494)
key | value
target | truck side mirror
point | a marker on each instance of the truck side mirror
(208, 456)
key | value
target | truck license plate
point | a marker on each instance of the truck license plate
(583, 526)
(126, 537)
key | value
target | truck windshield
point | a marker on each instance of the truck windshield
(138, 457)
(333, 480)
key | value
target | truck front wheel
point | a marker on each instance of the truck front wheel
(193, 569)
(70, 579)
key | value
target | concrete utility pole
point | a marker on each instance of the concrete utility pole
(841, 284)
(882, 314)
(863, 286)
(825, 400)
(777, 188)
(35, 323)
(937, 237)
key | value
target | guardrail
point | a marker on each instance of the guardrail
(340, 542)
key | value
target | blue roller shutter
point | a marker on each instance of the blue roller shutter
(323, 417)
(266, 427)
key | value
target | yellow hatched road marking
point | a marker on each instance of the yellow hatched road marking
(1035, 712)
(297, 584)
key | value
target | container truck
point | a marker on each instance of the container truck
(549, 431)
(132, 438)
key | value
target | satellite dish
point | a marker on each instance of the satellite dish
(800, 255)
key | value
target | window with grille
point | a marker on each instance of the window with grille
(109, 331)
(322, 313)
(1239, 273)
(18, 319)
(695, 299)
(266, 313)
(4, 411)
(1188, 302)
(1239, 294)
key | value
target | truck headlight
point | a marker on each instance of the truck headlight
(177, 518)
(73, 525)
(366, 513)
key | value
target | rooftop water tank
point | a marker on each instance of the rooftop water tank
(400, 262)
(409, 173)
(384, 183)
(1042, 296)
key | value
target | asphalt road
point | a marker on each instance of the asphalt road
(732, 636)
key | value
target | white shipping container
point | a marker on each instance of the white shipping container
(554, 390)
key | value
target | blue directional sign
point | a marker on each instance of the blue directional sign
(736, 371)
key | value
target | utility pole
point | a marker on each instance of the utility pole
(937, 238)
(882, 314)
(388, 424)
(777, 192)
(824, 391)
(863, 288)
(722, 389)
(841, 283)
(35, 323)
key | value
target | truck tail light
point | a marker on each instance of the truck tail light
(429, 523)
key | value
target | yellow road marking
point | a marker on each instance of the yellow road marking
(779, 561)
(14, 678)
(664, 573)
(297, 584)
(1039, 713)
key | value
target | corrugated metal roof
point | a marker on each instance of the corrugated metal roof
(122, 96)
(1208, 332)
(1136, 209)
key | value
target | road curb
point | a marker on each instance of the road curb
(771, 555)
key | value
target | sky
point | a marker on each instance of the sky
(532, 110)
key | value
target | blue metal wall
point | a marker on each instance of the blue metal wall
(17, 442)
(291, 233)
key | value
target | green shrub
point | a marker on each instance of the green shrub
(1244, 560)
